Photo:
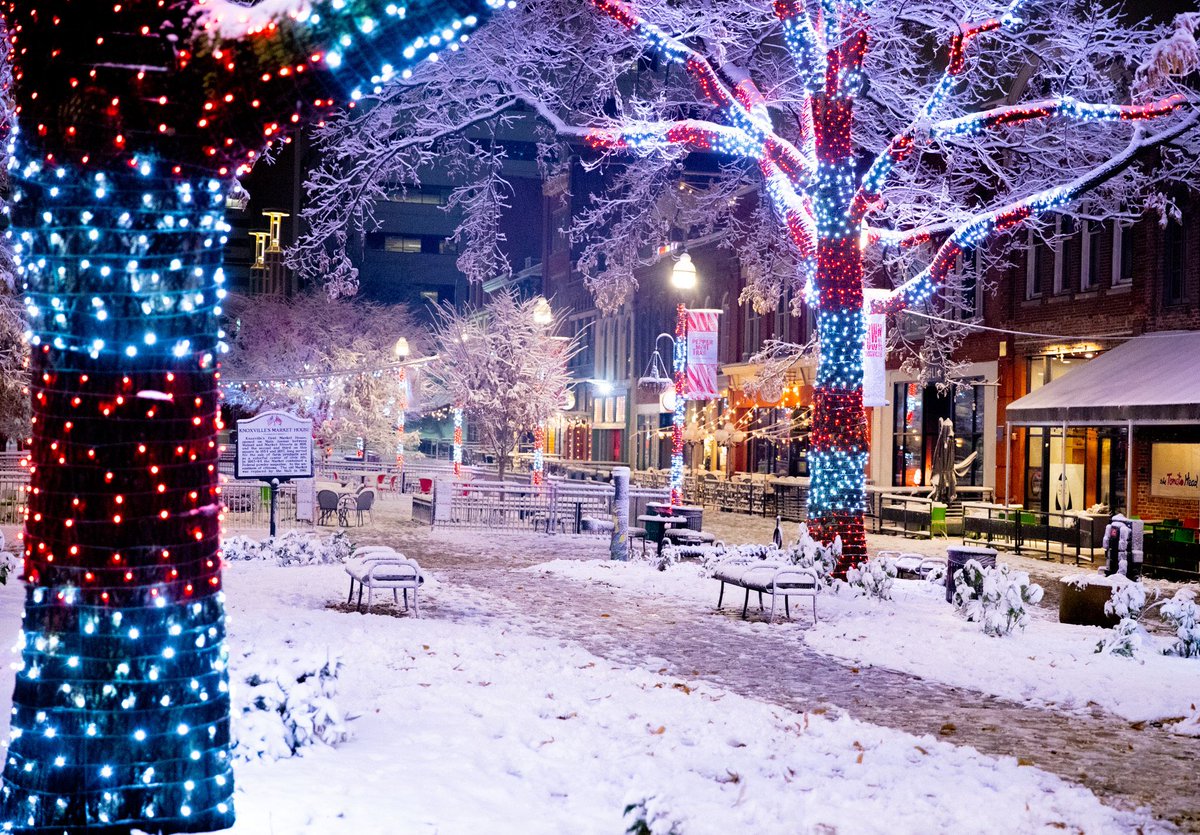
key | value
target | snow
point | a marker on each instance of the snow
(464, 723)
(1048, 664)
(462, 726)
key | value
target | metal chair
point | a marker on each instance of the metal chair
(365, 500)
(327, 504)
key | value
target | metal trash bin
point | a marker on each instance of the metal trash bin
(694, 515)
(958, 555)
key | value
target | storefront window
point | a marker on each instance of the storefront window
(968, 431)
(909, 465)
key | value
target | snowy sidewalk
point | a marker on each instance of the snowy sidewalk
(682, 638)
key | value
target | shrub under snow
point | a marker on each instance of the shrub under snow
(1183, 614)
(873, 577)
(281, 706)
(293, 548)
(1127, 602)
(995, 597)
(9, 562)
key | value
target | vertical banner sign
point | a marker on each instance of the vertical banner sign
(702, 354)
(874, 350)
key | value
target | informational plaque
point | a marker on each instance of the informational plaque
(274, 445)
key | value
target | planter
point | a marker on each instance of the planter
(1082, 601)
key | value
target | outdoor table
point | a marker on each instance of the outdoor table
(347, 504)
(656, 526)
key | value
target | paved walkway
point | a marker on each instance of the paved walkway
(1126, 766)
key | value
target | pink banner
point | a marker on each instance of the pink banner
(702, 354)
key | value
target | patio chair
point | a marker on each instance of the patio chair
(327, 504)
(365, 500)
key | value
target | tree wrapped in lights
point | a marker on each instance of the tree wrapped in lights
(866, 156)
(502, 368)
(134, 118)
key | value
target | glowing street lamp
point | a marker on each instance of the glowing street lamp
(401, 351)
(683, 274)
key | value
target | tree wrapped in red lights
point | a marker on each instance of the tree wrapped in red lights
(866, 157)
(134, 118)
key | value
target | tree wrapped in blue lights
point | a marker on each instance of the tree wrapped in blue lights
(134, 118)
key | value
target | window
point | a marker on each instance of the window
(558, 229)
(724, 343)
(431, 296)
(970, 289)
(968, 429)
(1089, 265)
(908, 405)
(401, 243)
(782, 314)
(1064, 231)
(1033, 271)
(1174, 262)
(751, 332)
(417, 196)
(1122, 264)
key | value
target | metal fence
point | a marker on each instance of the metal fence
(1049, 534)
(14, 493)
(556, 507)
(248, 504)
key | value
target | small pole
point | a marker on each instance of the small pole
(274, 487)
(619, 547)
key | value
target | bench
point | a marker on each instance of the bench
(380, 567)
(776, 579)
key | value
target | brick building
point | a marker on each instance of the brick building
(1065, 302)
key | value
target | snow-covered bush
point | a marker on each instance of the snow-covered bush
(646, 817)
(873, 577)
(995, 598)
(1183, 615)
(281, 706)
(9, 562)
(293, 548)
(1127, 602)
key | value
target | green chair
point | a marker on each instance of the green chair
(1183, 535)
(1170, 523)
(937, 520)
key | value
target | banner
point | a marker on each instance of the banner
(874, 351)
(1175, 471)
(701, 354)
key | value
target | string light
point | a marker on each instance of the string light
(679, 364)
(456, 454)
(134, 118)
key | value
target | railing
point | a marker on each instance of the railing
(1047, 533)
(908, 515)
(560, 506)
(14, 493)
(248, 504)
(1171, 552)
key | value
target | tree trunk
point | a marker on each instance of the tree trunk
(121, 709)
(838, 455)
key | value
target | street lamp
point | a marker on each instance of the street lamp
(683, 274)
(401, 351)
(542, 314)
(683, 277)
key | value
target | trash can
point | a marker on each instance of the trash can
(694, 516)
(958, 555)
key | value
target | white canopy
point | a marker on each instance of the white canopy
(1149, 379)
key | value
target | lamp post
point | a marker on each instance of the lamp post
(683, 277)
(401, 351)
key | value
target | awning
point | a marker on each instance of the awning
(1149, 379)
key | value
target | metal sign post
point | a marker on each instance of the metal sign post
(274, 447)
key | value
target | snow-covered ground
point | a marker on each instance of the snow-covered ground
(464, 724)
(1049, 664)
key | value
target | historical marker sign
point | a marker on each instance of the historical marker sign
(274, 445)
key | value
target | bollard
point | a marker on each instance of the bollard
(619, 547)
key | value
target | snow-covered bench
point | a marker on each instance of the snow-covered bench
(380, 567)
(776, 579)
